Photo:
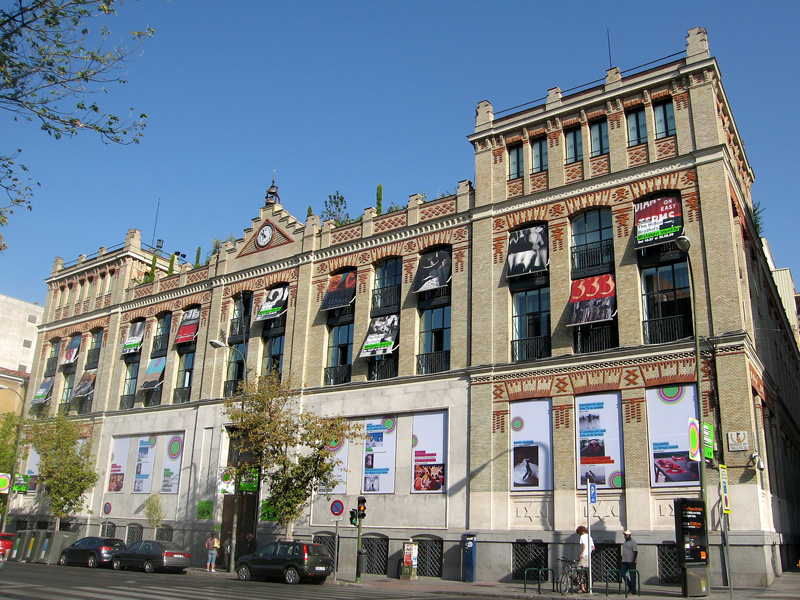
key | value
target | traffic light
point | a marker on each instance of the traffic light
(353, 516)
(362, 507)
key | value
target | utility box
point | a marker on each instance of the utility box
(408, 569)
(692, 538)
(469, 543)
(53, 543)
(695, 582)
(23, 546)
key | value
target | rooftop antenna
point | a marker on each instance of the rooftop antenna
(152, 241)
(608, 38)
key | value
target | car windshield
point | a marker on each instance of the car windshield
(169, 546)
(114, 543)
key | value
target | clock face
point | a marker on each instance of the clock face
(264, 236)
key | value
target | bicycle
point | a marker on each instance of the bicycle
(573, 576)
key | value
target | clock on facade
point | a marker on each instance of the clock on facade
(264, 236)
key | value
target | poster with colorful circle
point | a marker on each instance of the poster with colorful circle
(599, 441)
(531, 445)
(5, 483)
(339, 450)
(171, 470)
(379, 455)
(668, 412)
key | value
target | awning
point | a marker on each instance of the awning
(154, 374)
(188, 328)
(43, 393)
(86, 384)
(433, 270)
(274, 304)
(71, 355)
(657, 221)
(593, 300)
(528, 251)
(381, 336)
(341, 291)
(133, 343)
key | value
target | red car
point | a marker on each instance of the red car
(6, 541)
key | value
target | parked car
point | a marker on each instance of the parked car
(150, 555)
(6, 542)
(290, 561)
(91, 551)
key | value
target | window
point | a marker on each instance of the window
(183, 386)
(93, 355)
(539, 155)
(240, 323)
(131, 381)
(66, 393)
(52, 360)
(592, 242)
(273, 354)
(32, 319)
(434, 340)
(386, 294)
(515, 162)
(667, 303)
(340, 354)
(236, 368)
(665, 119)
(637, 128)
(573, 145)
(27, 343)
(531, 324)
(599, 134)
(161, 337)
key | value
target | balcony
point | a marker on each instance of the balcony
(231, 387)
(596, 257)
(386, 297)
(435, 362)
(181, 395)
(126, 401)
(530, 348)
(160, 345)
(152, 397)
(92, 358)
(83, 404)
(385, 368)
(240, 328)
(52, 365)
(337, 375)
(667, 329)
(590, 338)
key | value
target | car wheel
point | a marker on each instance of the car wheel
(291, 576)
(63, 560)
(320, 581)
(91, 562)
(148, 566)
(244, 573)
(116, 564)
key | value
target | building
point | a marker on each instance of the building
(18, 323)
(503, 346)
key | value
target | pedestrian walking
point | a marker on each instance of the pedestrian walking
(630, 550)
(212, 545)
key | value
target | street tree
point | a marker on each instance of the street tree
(52, 66)
(8, 447)
(287, 446)
(65, 465)
(154, 511)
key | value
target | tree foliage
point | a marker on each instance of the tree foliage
(65, 465)
(154, 511)
(51, 64)
(285, 444)
(379, 199)
(8, 446)
(336, 209)
(758, 218)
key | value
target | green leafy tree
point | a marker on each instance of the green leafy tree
(758, 218)
(310, 211)
(216, 245)
(379, 199)
(336, 209)
(171, 268)
(287, 446)
(51, 64)
(154, 511)
(65, 465)
(197, 257)
(8, 446)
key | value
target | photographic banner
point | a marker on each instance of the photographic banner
(379, 455)
(145, 457)
(71, 355)
(339, 449)
(433, 270)
(86, 384)
(531, 445)
(668, 412)
(188, 329)
(274, 303)
(118, 463)
(341, 291)
(381, 336)
(133, 343)
(32, 470)
(43, 393)
(528, 251)
(154, 374)
(429, 452)
(593, 300)
(657, 221)
(171, 464)
(600, 440)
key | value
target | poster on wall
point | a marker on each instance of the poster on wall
(381, 336)
(379, 455)
(429, 452)
(274, 303)
(527, 251)
(339, 449)
(668, 412)
(531, 445)
(32, 470)
(145, 458)
(600, 440)
(118, 462)
(658, 220)
(592, 300)
(171, 470)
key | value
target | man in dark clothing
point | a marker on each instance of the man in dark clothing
(630, 550)
(252, 543)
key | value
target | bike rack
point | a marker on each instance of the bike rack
(539, 573)
(622, 580)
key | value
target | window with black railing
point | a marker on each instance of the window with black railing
(126, 401)
(664, 116)
(161, 337)
(183, 385)
(273, 354)
(637, 127)
(131, 380)
(236, 368)
(240, 321)
(530, 324)
(593, 255)
(83, 404)
(434, 340)
(383, 366)
(573, 146)
(92, 358)
(592, 246)
(340, 354)
(386, 297)
(595, 337)
(152, 397)
(516, 162)
(667, 303)
(181, 395)
(231, 387)
(52, 365)
(433, 362)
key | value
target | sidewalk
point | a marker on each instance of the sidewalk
(785, 587)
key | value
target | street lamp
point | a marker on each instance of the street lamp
(14, 462)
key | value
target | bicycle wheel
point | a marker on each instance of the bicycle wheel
(581, 580)
(564, 583)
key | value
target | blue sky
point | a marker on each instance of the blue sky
(346, 95)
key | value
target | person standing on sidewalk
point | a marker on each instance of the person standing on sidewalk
(630, 550)
(587, 547)
(212, 545)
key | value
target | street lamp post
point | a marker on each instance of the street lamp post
(234, 527)
(14, 462)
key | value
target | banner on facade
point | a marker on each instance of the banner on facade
(381, 336)
(133, 343)
(189, 323)
(205, 510)
(600, 440)
(429, 452)
(145, 458)
(657, 220)
(341, 291)
(668, 412)
(339, 449)
(528, 251)
(32, 470)
(433, 270)
(593, 300)
(154, 374)
(118, 463)
(379, 455)
(43, 393)
(71, 355)
(274, 305)
(531, 445)
(86, 384)
(171, 464)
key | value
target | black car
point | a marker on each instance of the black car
(290, 561)
(150, 555)
(91, 551)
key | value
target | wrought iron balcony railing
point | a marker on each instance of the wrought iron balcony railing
(435, 362)
(337, 375)
(530, 348)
